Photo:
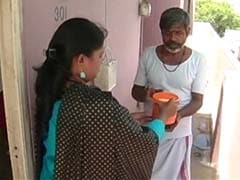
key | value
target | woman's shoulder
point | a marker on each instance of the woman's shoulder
(88, 95)
(94, 101)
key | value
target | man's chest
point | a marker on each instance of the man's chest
(181, 78)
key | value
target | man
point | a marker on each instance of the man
(176, 68)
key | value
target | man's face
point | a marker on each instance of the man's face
(175, 38)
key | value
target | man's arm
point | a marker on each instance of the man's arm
(191, 108)
(139, 93)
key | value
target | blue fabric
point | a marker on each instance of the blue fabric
(158, 127)
(47, 172)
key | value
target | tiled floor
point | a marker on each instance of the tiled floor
(200, 171)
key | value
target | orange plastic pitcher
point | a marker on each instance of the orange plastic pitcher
(158, 99)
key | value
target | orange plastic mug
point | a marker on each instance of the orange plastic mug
(161, 98)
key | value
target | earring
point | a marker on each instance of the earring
(82, 75)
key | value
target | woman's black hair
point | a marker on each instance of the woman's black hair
(73, 37)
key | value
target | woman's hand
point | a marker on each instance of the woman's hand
(141, 117)
(168, 109)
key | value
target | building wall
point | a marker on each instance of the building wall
(123, 23)
(41, 18)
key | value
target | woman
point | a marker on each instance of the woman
(85, 133)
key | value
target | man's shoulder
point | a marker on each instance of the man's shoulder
(197, 54)
(148, 54)
(149, 50)
(197, 57)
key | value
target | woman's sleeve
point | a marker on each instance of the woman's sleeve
(137, 145)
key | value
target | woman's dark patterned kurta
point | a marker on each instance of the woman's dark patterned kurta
(98, 140)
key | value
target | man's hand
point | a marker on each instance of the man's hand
(171, 127)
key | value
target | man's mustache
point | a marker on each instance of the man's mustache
(173, 45)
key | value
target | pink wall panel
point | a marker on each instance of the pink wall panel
(41, 18)
(123, 23)
(121, 19)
